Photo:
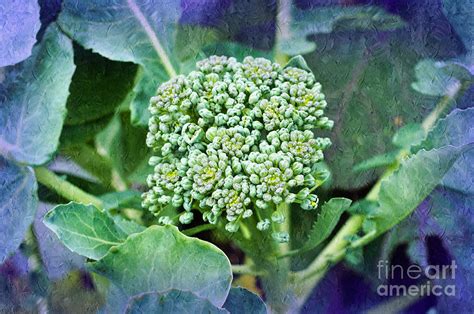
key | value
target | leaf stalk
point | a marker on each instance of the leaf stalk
(64, 188)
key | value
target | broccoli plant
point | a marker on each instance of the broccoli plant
(164, 165)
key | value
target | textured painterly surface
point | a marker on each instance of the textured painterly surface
(76, 78)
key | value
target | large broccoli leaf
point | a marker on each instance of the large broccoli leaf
(401, 192)
(242, 301)
(33, 100)
(161, 258)
(125, 30)
(20, 23)
(85, 229)
(172, 301)
(456, 129)
(57, 259)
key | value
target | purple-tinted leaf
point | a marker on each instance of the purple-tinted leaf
(441, 232)
(57, 259)
(33, 100)
(459, 13)
(18, 203)
(171, 301)
(242, 301)
(456, 129)
(18, 27)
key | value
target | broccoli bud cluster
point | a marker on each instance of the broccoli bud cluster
(236, 139)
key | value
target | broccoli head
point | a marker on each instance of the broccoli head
(234, 140)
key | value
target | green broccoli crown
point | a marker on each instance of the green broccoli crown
(236, 139)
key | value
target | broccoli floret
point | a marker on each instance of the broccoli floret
(236, 139)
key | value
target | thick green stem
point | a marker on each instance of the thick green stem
(434, 115)
(274, 273)
(64, 188)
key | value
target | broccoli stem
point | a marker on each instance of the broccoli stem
(64, 188)
(273, 272)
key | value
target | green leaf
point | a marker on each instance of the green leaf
(172, 301)
(439, 78)
(20, 23)
(363, 207)
(405, 189)
(18, 204)
(98, 86)
(327, 220)
(84, 229)
(321, 174)
(323, 20)
(409, 135)
(161, 258)
(377, 161)
(242, 301)
(123, 144)
(298, 62)
(33, 100)
(127, 226)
